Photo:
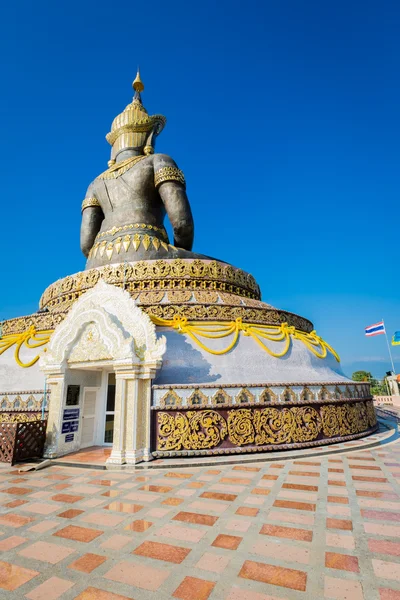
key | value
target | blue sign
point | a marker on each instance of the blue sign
(66, 427)
(69, 437)
(70, 414)
(74, 425)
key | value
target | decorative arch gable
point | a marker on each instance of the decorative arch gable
(104, 324)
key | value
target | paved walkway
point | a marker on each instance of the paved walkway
(321, 527)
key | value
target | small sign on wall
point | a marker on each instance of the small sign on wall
(70, 414)
(69, 437)
(70, 426)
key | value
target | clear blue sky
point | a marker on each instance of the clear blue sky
(284, 117)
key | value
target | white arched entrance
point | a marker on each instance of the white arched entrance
(105, 332)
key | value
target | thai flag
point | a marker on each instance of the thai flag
(376, 329)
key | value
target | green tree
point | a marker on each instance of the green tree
(378, 388)
(362, 376)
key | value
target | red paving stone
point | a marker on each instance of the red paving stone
(193, 588)
(165, 552)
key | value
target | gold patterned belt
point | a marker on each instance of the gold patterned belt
(142, 226)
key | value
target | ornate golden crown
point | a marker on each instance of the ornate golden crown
(130, 128)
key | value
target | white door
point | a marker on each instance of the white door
(88, 418)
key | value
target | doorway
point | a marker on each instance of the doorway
(110, 411)
(88, 417)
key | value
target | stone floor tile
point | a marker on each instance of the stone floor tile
(46, 552)
(140, 525)
(92, 593)
(292, 533)
(212, 562)
(103, 519)
(198, 519)
(386, 569)
(41, 508)
(78, 534)
(165, 552)
(219, 496)
(280, 576)
(11, 542)
(294, 505)
(184, 534)
(236, 593)
(193, 588)
(342, 589)
(208, 505)
(229, 542)
(15, 521)
(289, 517)
(116, 542)
(87, 563)
(71, 513)
(344, 562)
(241, 525)
(382, 547)
(337, 540)
(247, 511)
(276, 549)
(12, 576)
(388, 594)
(138, 574)
(43, 526)
(51, 589)
(68, 498)
(343, 524)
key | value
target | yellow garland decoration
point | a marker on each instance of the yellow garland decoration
(213, 330)
(29, 338)
(275, 333)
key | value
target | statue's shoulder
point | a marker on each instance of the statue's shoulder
(163, 160)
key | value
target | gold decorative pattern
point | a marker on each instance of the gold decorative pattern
(306, 395)
(197, 398)
(20, 417)
(119, 168)
(171, 398)
(221, 397)
(169, 174)
(267, 395)
(207, 429)
(90, 202)
(288, 395)
(245, 397)
(193, 430)
(199, 275)
(124, 243)
(115, 230)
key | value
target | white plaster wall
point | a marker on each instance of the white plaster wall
(185, 362)
(14, 378)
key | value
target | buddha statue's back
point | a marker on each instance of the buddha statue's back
(125, 206)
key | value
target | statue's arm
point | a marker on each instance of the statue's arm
(92, 217)
(170, 183)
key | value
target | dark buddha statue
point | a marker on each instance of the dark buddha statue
(124, 209)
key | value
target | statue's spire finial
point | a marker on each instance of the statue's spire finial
(138, 83)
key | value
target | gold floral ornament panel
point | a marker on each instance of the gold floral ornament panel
(28, 339)
(269, 426)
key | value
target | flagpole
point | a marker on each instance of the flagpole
(388, 345)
